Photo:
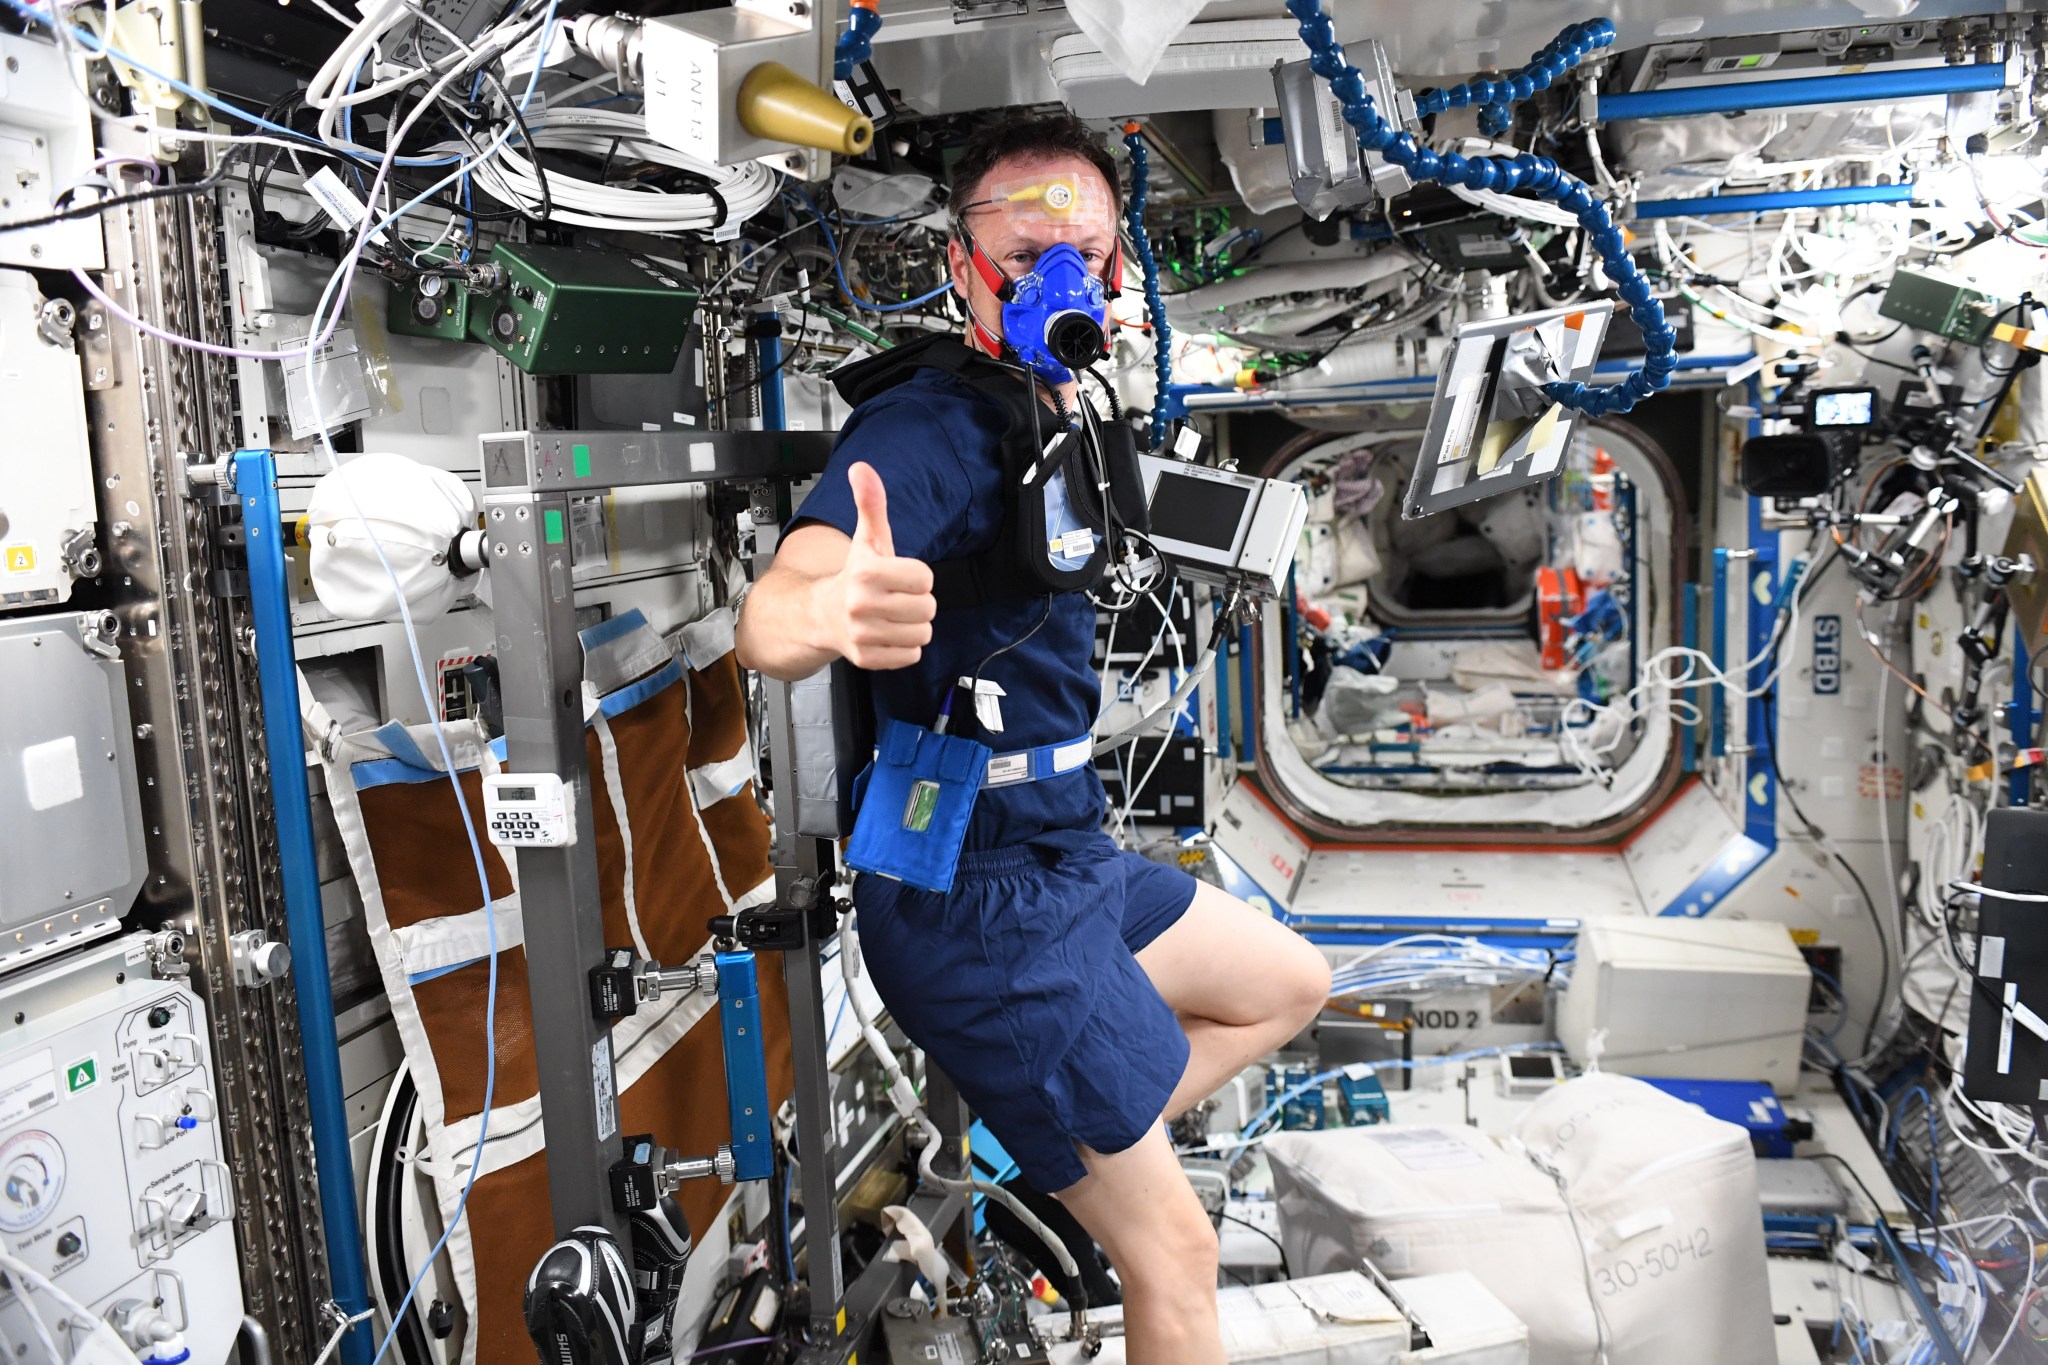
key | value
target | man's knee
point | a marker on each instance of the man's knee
(1305, 982)
(1176, 1256)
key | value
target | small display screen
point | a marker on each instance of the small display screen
(1201, 512)
(1527, 1068)
(1845, 408)
(515, 793)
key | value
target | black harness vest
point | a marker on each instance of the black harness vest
(1020, 563)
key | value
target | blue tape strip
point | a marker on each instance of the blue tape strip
(604, 632)
(383, 772)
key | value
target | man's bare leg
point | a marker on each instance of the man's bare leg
(1138, 1206)
(1242, 983)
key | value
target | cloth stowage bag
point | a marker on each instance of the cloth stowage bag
(667, 748)
(914, 803)
(1611, 1197)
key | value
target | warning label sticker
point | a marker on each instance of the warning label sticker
(28, 1086)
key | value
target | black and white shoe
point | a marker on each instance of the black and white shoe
(580, 1305)
(661, 1252)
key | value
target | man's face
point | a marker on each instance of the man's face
(1023, 208)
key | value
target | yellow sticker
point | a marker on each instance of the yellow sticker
(1806, 938)
(842, 1320)
(20, 558)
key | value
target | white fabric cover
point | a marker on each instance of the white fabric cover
(1665, 1196)
(1134, 37)
(414, 511)
(1611, 1193)
(1428, 1201)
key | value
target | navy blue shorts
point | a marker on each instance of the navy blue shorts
(1022, 985)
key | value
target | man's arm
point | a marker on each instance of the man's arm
(833, 596)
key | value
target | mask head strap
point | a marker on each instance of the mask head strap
(991, 274)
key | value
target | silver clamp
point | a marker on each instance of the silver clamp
(651, 980)
(211, 480)
(719, 1163)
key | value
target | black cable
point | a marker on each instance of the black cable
(540, 175)
(113, 201)
(1876, 1206)
(1233, 1218)
(1884, 948)
(803, 337)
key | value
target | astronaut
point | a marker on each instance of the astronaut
(1076, 994)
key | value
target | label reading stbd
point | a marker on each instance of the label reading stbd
(1827, 655)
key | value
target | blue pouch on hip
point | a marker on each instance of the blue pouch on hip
(914, 802)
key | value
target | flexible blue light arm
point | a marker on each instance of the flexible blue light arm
(1538, 174)
(1155, 302)
(1497, 96)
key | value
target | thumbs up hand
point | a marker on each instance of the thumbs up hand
(883, 605)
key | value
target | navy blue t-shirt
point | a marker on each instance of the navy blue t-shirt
(937, 445)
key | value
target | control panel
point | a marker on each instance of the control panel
(529, 810)
(112, 1178)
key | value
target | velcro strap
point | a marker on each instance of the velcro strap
(1035, 765)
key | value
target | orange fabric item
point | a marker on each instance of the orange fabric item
(509, 1209)
(414, 831)
(451, 1009)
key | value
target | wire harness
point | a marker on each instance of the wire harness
(1538, 174)
(1155, 302)
(1496, 96)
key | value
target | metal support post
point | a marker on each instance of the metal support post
(255, 475)
(541, 671)
(797, 862)
(529, 478)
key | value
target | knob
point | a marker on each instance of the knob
(160, 1017)
(258, 959)
(70, 1244)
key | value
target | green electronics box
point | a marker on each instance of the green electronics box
(1935, 303)
(430, 306)
(567, 311)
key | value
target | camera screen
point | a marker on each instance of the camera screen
(1201, 512)
(1846, 408)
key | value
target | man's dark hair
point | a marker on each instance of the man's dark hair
(1033, 135)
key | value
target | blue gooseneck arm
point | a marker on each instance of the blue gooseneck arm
(1155, 302)
(1537, 174)
(1497, 96)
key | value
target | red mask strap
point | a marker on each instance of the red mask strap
(991, 274)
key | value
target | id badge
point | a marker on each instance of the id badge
(916, 802)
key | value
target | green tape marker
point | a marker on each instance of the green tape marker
(552, 523)
(579, 458)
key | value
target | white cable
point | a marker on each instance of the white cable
(512, 179)
(1976, 889)
(903, 1096)
(340, 1331)
(335, 296)
(31, 1278)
